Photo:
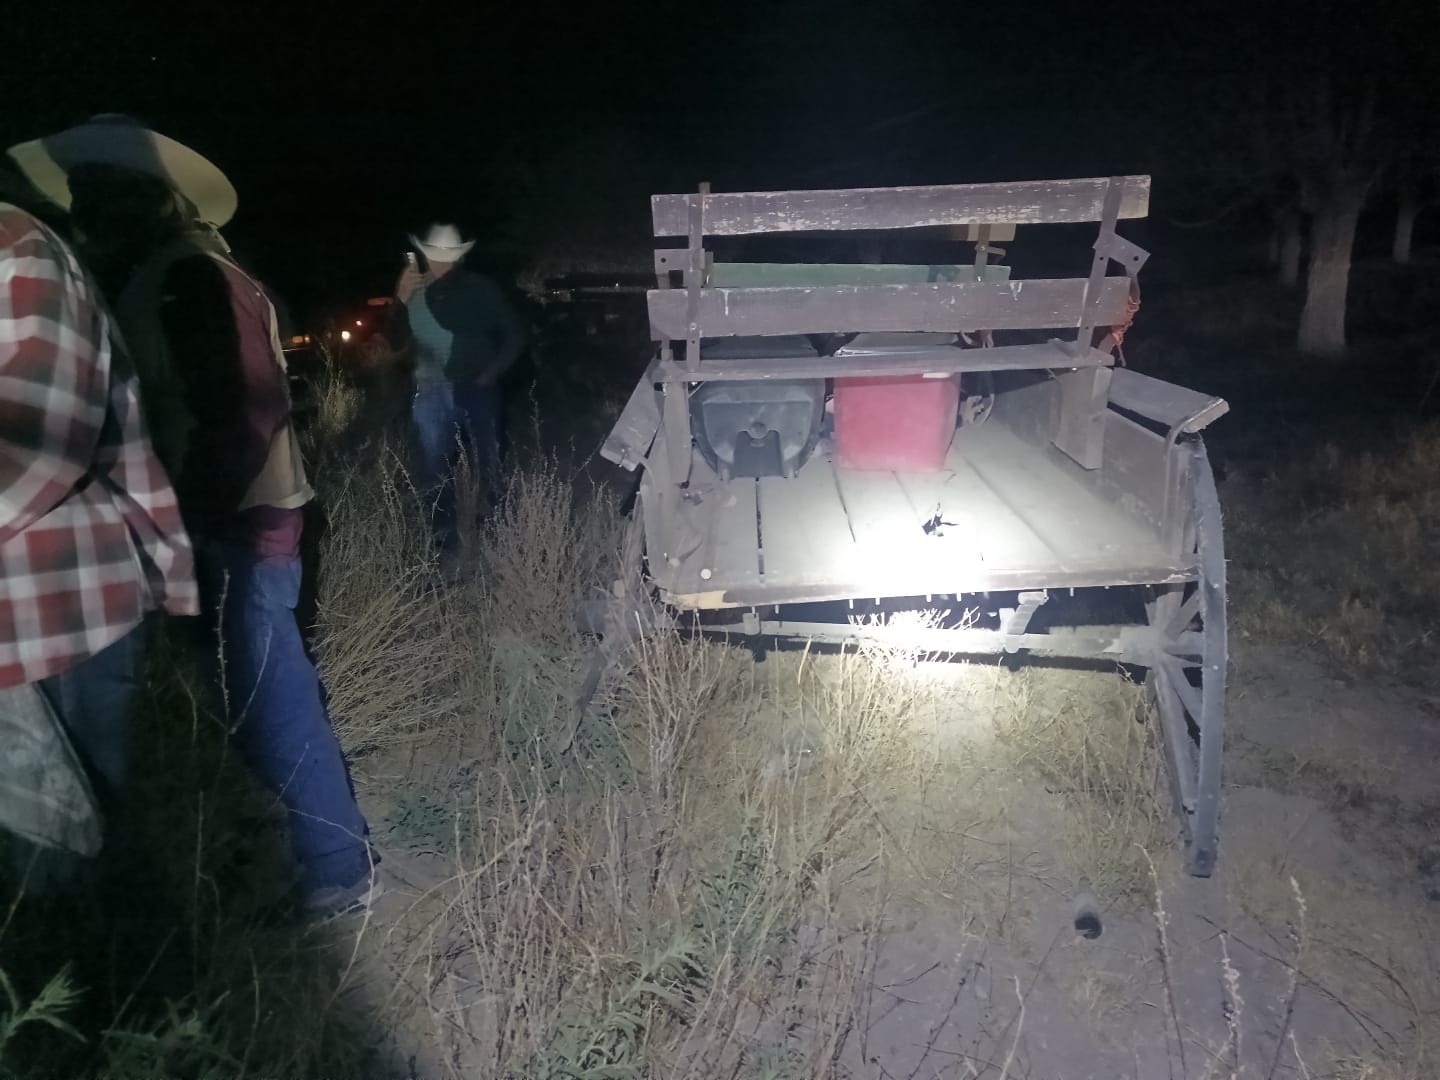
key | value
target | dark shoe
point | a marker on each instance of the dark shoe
(333, 901)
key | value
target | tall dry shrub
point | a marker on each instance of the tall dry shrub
(387, 641)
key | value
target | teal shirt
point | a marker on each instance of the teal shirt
(433, 343)
(463, 324)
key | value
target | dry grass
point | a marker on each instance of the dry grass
(695, 881)
(390, 643)
(676, 911)
(645, 892)
(1093, 743)
(1340, 551)
(1369, 953)
(543, 549)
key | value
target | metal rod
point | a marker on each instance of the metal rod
(1121, 644)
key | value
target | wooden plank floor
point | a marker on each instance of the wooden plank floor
(1010, 515)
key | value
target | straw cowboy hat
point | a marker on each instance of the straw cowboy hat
(442, 244)
(112, 139)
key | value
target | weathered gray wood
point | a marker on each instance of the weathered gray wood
(1195, 772)
(982, 234)
(655, 498)
(695, 268)
(1205, 830)
(629, 440)
(1165, 403)
(1042, 303)
(1100, 264)
(1119, 644)
(759, 275)
(732, 551)
(803, 527)
(919, 584)
(946, 359)
(1030, 202)
(1134, 475)
(886, 525)
(1021, 519)
(678, 443)
(1029, 411)
(982, 526)
(1080, 432)
(1179, 750)
(1044, 489)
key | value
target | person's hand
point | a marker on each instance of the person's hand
(410, 280)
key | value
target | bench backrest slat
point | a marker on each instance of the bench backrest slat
(1031, 202)
(948, 307)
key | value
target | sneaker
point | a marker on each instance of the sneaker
(333, 901)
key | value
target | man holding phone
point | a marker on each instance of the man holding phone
(465, 335)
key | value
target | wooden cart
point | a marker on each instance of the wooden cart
(1085, 476)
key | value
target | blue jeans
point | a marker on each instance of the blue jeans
(448, 416)
(277, 708)
(482, 413)
(93, 700)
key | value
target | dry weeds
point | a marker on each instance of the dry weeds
(1340, 552)
(1093, 742)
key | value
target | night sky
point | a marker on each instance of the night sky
(344, 125)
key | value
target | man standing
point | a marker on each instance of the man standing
(466, 335)
(215, 390)
(90, 540)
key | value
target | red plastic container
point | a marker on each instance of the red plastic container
(895, 423)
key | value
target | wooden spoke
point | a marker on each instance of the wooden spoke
(1184, 616)
(1188, 678)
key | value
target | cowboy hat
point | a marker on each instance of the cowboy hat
(442, 244)
(112, 139)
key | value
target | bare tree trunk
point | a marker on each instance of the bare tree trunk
(1292, 246)
(1405, 216)
(1332, 238)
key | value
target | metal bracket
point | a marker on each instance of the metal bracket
(1129, 255)
(695, 278)
(1108, 245)
(669, 261)
(1015, 622)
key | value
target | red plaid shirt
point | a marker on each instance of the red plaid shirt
(90, 532)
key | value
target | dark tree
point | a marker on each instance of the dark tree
(1303, 105)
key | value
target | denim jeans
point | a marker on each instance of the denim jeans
(277, 708)
(93, 700)
(437, 427)
(482, 415)
(448, 417)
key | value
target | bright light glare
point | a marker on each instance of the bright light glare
(344, 335)
(359, 322)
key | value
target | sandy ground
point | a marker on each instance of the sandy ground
(979, 969)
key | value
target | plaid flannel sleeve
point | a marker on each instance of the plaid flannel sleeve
(52, 387)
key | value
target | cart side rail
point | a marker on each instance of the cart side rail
(1144, 424)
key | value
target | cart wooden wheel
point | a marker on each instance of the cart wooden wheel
(627, 614)
(1187, 681)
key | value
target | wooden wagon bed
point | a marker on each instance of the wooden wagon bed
(1005, 513)
(1084, 473)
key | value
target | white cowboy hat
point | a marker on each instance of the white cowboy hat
(112, 139)
(442, 244)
